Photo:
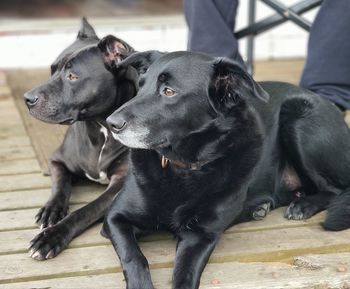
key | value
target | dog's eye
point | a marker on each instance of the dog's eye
(72, 77)
(168, 92)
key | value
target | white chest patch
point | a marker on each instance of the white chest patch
(103, 179)
(105, 133)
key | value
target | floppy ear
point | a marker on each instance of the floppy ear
(141, 61)
(114, 50)
(86, 30)
(231, 84)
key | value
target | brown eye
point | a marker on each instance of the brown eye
(168, 92)
(72, 77)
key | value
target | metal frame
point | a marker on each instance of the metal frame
(284, 14)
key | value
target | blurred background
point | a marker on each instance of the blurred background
(34, 32)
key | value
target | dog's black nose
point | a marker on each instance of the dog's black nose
(116, 123)
(30, 99)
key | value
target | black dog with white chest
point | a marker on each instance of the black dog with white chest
(82, 91)
(209, 143)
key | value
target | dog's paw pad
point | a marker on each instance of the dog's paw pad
(261, 211)
(50, 215)
(300, 209)
(49, 243)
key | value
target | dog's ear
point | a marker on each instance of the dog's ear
(141, 61)
(86, 30)
(114, 50)
(231, 84)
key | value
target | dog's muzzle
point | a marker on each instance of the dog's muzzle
(116, 123)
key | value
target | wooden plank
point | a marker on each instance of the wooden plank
(19, 167)
(229, 275)
(261, 246)
(19, 219)
(5, 91)
(16, 241)
(12, 130)
(8, 111)
(24, 182)
(22, 219)
(36, 198)
(14, 141)
(16, 153)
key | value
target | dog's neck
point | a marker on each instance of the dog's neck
(210, 144)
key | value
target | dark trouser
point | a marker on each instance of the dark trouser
(211, 24)
(327, 68)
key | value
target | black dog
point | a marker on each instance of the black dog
(208, 144)
(82, 92)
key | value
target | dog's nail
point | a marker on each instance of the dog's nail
(36, 255)
(42, 227)
(31, 252)
(49, 255)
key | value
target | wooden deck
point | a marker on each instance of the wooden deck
(274, 253)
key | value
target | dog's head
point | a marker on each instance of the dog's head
(184, 100)
(81, 85)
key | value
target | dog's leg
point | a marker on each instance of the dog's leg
(56, 207)
(50, 242)
(316, 141)
(192, 254)
(134, 263)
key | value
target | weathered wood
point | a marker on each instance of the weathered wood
(22, 219)
(224, 276)
(4, 91)
(14, 141)
(15, 241)
(266, 246)
(18, 200)
(19, 167)
(24, 182)
(8, 111)
(16, 153)
(12, 130)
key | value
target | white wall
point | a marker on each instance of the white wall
(36, 43)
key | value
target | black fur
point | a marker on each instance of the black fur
(234, 147)
(88, 149)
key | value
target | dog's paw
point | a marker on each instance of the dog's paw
(300, 209)
(50, 215)
(261, 211)
(49, 242)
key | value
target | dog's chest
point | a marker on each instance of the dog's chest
(102, 177)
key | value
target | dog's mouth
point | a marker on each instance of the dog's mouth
(67, 121)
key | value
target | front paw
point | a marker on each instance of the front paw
(261, 211)
(300, 209)
(49, 242)
(50, 215)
